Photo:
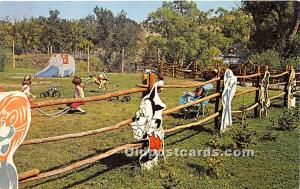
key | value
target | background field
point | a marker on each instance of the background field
(275, 164)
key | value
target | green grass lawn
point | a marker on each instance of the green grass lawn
(275, 165)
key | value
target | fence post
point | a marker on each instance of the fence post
(173, 70)
(195, 70)
(287, 76)
(151, 81)
(266, 67)
(218, 90)
(244, 74)
(257, 92)
(144, 82)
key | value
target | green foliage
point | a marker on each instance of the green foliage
(269, 136)
(269, 57)
(288, 120)
(170, 179)
(102, 32)
(96, 65)
(242, 136)
(215, 162)
(2, 59)
(194, 35)
(276, 26)
(293, 61)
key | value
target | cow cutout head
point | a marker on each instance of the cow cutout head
(149, 116)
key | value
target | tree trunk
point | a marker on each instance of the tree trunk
(296, 20)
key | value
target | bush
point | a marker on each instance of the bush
(215, 163)
(269, 136)
(288, 120)
(242, 137)
(2, 59)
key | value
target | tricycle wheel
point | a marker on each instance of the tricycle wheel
(126, 99)
(56, 94)
(114, 98)
(42, 95)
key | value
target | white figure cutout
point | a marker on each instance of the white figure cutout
(230, 82)
(15, 118)
(147, 126)
(291, 90)
(265, 101)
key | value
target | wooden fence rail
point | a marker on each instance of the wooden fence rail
(87, 99)
(108, 153)
(110, 128)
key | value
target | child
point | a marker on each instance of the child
(26, 89)
(25, 86)
(78, 93)
(199, 92)
(103, 81)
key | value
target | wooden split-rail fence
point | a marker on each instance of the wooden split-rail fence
(147, 83)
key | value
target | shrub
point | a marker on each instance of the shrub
(2, 59)
(288, 120)
(215, 162)
(269, 136)
(169, 177)
(242, 137)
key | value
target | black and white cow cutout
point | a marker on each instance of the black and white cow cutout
(147, 126)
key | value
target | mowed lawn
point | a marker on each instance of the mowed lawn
(275, 164)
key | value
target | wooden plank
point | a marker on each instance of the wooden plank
(246, 92)
(28, 174)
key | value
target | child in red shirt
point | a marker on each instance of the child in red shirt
(78, 93)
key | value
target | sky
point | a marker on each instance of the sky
(136, 10)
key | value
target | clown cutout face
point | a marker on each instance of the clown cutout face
(15, 117)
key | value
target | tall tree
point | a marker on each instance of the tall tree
(276, 26)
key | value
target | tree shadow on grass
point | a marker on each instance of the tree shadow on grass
(111, 162)
(198, 130)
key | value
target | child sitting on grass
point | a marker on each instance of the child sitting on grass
(78, 93)
(26, 89)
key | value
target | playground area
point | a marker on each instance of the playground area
(118, 170)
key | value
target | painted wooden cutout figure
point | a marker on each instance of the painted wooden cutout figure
(15, 118)
(230, 82)
(147, 126)
(291, 90)
(264, 96)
